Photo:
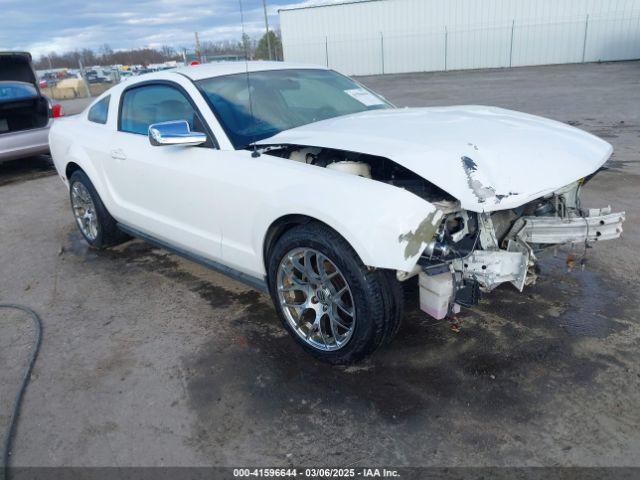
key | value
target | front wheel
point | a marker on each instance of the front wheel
(332, 304)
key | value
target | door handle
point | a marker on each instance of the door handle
(118, 154)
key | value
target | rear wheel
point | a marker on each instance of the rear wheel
(95, 223)
(331, 303)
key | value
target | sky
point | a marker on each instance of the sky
(42, 26)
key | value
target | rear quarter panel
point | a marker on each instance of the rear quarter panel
(75, 139)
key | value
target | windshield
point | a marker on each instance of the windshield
(283, 99)
(16, 91)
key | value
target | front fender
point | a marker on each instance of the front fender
(388, 227)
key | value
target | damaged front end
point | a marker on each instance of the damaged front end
(475, 252)
(498, 188)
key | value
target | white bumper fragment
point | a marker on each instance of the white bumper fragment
(492, 267)
(601, 224)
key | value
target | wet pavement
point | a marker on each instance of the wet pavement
(149, 359)
(26, 169)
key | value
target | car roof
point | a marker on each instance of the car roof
(200, 72)
(208, 70)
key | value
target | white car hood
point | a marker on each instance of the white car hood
(488, 158)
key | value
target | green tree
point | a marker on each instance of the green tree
(262, 50)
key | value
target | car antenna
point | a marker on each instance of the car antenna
(255, 153)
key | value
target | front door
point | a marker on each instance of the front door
(163, 190)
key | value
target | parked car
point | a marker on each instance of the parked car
(124, 75)
(25, 114)
(303, 183)
(49, 80)
(94, 76)
(143, 71)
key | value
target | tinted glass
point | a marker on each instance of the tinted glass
(283, 99)
(100, 111)
(17, 91)
(144, 106)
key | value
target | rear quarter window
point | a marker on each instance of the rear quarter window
(100, 111)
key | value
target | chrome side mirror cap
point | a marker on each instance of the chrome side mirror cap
(174, 133)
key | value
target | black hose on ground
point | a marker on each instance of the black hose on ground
(15, 411)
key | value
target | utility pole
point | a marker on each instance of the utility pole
(266, 26)
(84, 78)
(198, 51)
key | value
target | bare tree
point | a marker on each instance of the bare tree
(105, 55)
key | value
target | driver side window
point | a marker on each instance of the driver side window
(149, 104)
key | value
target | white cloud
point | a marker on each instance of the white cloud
(75, 24)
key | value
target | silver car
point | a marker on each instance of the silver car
(25, 114)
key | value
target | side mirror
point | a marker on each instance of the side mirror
(174, 133)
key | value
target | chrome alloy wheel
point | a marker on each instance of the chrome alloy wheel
(316, 299)
(84, 210)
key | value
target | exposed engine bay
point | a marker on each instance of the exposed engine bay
(367, 166)
(474, 252)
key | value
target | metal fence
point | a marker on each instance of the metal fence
(588, 39)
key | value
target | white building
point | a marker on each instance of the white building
(391, 36)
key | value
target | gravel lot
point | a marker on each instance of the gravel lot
(149, 359)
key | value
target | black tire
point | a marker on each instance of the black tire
(108, 232)
(396, 299)
(377, 295)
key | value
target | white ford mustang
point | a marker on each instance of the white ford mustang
(301, 182)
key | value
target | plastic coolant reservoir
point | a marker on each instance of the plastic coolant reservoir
(301, 155)
(436, 292)
(356, 168)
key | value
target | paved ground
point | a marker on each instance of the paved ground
(74, 105)
(151, 360)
